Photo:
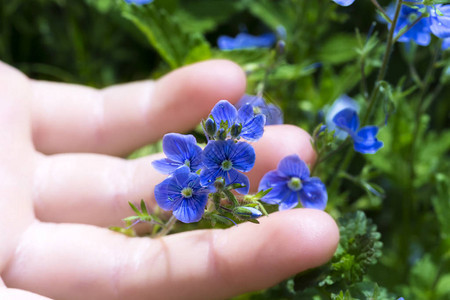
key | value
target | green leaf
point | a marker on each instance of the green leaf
(144, 208)
(134, 208)
(166, 35)
(441, 203)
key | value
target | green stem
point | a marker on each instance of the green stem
(168, 227)
(407, 28)
(384, 65)
(381, 10)
(231, 197)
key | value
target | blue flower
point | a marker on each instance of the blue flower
(364, 139)
(224, 159)
(291, 183)
(245, 40)
(252, 126)
(181, 150)
(273, 113)
(344, 2)
(437, 22)
(183, 193)
(138, 2)
(340, 104)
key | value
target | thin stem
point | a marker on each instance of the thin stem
(384, 65)
(407, 28)
(168, 227)
(381, 10)
(230, 197)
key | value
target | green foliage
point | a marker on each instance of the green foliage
(167, 36)
(358, 248)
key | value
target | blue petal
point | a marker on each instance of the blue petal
(161, 195)
(245, 113)
(440, 25)
(293, 166)
(209, 175)
(242, 155)
(446, 44)
(216, 152)
(273, 113)
(344, 2)
(224, 111)
(245, 40)
(341, 103)
(179, 148)
(290, 201)
(225, 42)
(234, 176)
(347, 119)
(366, 142)
(191, 209)
(278, 183)
(253, 130)
(313, 194)
(138, 2)
(165, 165)
(250, 99)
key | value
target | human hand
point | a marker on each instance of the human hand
(56, 194)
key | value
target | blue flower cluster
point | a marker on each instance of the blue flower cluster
(197, 175)
(193, 171)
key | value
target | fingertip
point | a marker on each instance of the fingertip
(278, 142)
(203, 84)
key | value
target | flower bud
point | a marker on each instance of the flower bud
(236, 130)
(246, 212)
(210, 127)
(222, 134)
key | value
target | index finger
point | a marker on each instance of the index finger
(119, 119)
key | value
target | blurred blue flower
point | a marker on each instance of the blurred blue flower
(291, 183)
(224, 159)
(252, 125)
(181, 150)
(344, 2)
(138, 2)
(364, 139)
(273, 113)
(437, 21)
(245, 40)
(445, 43)
(183, 194)
(340, 104)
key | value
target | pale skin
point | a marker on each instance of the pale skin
(62, 183)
